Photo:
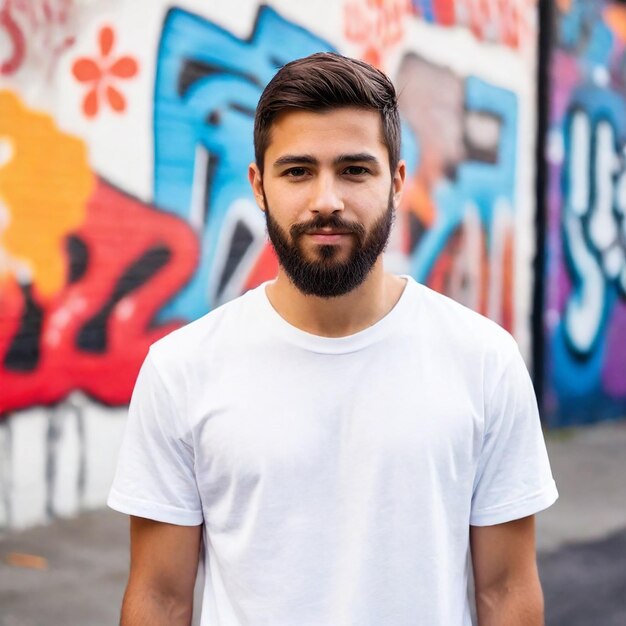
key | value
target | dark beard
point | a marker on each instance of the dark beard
(326, 277)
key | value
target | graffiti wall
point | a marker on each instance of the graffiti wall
(585, 309)
(125, 212)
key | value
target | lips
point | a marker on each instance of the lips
(327, 236)
(328, 232)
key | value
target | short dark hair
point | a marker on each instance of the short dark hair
(324, 81)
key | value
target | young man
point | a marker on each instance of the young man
(335, 440)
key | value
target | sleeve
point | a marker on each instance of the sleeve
(513, 477)
(155, 471)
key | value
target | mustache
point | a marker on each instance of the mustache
(333, 222)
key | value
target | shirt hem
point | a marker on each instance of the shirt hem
(516, 510)
(156, 512)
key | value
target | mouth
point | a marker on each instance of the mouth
(328, 236)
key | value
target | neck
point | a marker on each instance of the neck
(342, 315)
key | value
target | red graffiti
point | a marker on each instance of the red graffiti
(507, 22)
(444, 12)
(43, 21)
(101, 72)
(377, 25)
(124, 263)
(502, 21)
(17, 42)
(471, 279)
(264, 269)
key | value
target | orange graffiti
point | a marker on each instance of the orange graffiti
(615, 18)
(564, 5)
(101, 72)
(417, 198)
(377, 25)
(474, 273)
(45, 181)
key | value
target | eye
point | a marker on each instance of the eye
(356, 170)
(295, 172)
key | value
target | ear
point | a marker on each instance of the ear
(256, 182)
(399, 178)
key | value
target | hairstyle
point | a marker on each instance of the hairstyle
(324, 81)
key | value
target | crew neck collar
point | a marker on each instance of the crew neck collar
(333, 345)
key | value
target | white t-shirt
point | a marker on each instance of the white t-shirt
(336, 477)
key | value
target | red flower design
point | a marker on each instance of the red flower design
(101, 72)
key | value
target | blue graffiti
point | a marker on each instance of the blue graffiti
(582, 342)
(478, 184)
(581, 29)
(594, 186)
(425, 9)
(208, 83)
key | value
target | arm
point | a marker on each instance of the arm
(163, 567)
(508, 591)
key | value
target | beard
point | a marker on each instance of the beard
(327, 276)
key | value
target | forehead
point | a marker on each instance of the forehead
(332, 132)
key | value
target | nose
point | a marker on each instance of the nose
(326, 197)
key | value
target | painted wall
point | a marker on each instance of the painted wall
(585, 303)
(125, 135)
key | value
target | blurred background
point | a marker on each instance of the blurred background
(125, 212)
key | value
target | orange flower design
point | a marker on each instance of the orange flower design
(101, 72)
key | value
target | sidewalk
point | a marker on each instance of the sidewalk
(581, 540)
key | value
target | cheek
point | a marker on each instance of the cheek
(367, 196)
(287, 199)
(371, 209)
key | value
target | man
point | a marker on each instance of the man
(334, 440)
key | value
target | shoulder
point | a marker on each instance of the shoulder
(198, 342)
(472, 349)
(460, 327)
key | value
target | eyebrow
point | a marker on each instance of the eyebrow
(307, 159)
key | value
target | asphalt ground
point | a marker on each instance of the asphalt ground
(585, 584)
(73, 572)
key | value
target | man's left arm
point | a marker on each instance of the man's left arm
(508, 590)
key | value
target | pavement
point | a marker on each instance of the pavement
(73, 572)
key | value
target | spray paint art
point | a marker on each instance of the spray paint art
(585, 312)
(125, 210)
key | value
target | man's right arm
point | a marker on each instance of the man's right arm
(163, 568)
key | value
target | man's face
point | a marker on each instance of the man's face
(328, 196)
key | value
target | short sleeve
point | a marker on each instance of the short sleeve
(155, 471)
(513, 477)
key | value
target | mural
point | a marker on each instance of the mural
(376, 27)
(206, 89)
(508, 22)
(586, 289)
(100, 72)
(142, 219)
(460, 201)
(79, 296)
(36, 33)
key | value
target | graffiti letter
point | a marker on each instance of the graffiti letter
(207, 87)
(18, 43)
(585, 308)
